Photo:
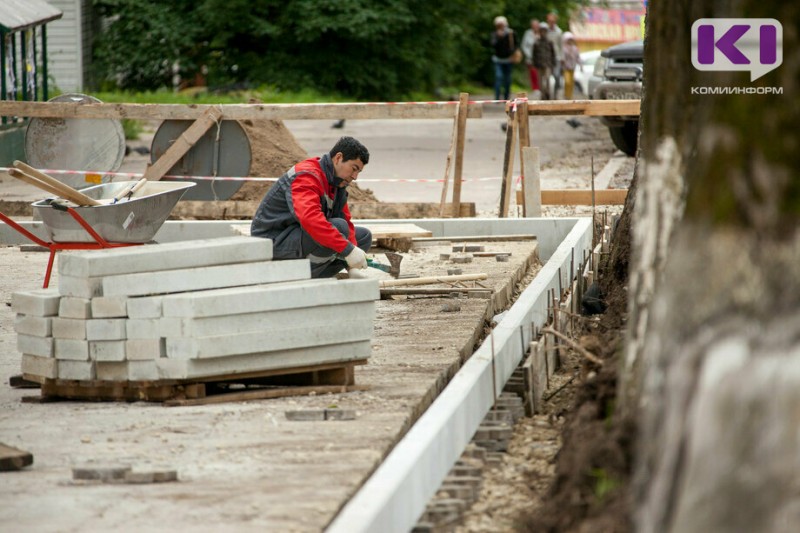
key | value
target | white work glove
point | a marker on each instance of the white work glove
(354, 273)
(356, 258)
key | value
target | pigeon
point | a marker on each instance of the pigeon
(339, 124)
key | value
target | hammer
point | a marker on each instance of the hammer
(393, 268)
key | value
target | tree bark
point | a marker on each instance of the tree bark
(712, 366)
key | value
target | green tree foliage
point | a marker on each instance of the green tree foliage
(368, 49)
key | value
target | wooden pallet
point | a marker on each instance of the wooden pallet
(276, 383)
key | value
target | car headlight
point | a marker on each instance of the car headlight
(600, 67)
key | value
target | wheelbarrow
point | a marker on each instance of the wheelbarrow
(118, 214)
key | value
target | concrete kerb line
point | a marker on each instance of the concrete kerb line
(396, 495)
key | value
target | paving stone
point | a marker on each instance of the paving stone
(37, 302)
(158, 476)
(71, 349)
(69, 328)
(109, 307)
(41, 346)
(300, 336)
(312, 317)
(306, 415)
(46, 367)
(107, 351)
(143, 371)
(71, 307)
(145, 307)
(198, 368)
(272, 297)
(145, 349)
(77, 370)
(106, 329)
(112, 370)
(143, 328)
(80, 287)
(167, 256)
(214, 277)
(100, 473)
(36, 326)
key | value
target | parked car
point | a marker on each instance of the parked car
(621, 68)
(583, 78)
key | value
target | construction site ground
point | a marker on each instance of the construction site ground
(241, 466)
(244, 466)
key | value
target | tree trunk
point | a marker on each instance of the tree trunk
(712, 365)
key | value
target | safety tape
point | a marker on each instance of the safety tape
(97, 177)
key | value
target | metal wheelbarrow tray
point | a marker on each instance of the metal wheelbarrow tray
(130, 220)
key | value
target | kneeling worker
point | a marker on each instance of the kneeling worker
(306, 215)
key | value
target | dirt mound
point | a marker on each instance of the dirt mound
(274, 150)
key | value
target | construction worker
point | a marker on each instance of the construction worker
(306, 215)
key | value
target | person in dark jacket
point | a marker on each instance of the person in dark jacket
(503, 41)
(544, 59)
(306, 215)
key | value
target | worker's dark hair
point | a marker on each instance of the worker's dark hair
(351, 149)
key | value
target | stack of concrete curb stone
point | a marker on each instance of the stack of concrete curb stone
(191, 309)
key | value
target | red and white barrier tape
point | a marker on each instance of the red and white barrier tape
(97, 177)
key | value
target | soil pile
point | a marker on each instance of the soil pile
(274, 150)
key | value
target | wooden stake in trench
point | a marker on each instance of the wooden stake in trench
(524, 142)
(456, 149)
(461, 130)
(508, 162)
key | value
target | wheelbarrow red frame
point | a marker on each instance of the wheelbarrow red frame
(54, 247)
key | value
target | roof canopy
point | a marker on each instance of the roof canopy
(18, 15)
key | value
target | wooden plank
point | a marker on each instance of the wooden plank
(419, 110)
(589, 108)
(461, 135)
(473, 238)
(266, 394)
(385, 210)
(581, 197)
(386, 231)
(183, 144)
(508, 166)
(13, 458)
(531, 183)
(432, 291)
(448, 162)
(431, 280)
(524, 142)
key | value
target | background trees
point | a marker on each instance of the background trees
(368, 49)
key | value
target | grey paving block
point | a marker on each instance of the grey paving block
(71, 307)
(272, 297)
(194, 279)
(168, 256)
(143, 371)
(282, 359)
(145, 349)
(113, 351)
(100, 473)
(106, 329)
(71, 349)
(36, 326)
(46, 367)
(77, 370)
(69, 328)
(320, 316)
(41, 346)
(80, 287)
(109, 307)
(143, 328)
(144, 307)
(300, 336)
(37, 302)
(111, 370)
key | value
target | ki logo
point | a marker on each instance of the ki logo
(721, 44)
